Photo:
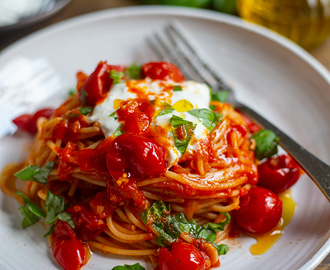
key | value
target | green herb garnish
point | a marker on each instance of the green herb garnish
(266, 143)
(170, 227)
(220, 96)
(86, 110)
(134, 72)
(31, 211)
(207, 117)
(116, 76)
(177, 88)
(167, 109)
(35, 173)
(136, 266)
(119, 130)
(113, 115)
(72, 92)
(182, 132)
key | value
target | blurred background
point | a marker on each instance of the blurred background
(306, 22)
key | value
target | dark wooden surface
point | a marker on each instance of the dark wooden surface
(79, 7)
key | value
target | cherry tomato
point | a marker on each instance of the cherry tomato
(136, 115)
(162, 71)
(87, 223)
(260, 211)
(135, 155)
(98, 84)
(278, 173)
(102, 205)
(68, 251)
(70, 254)
(28, 122)
(182, 256)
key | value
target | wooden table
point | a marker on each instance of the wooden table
(79, 7)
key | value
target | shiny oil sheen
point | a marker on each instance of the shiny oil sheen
(306, 22)
(266, 241)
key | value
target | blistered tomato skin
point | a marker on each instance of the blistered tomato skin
(97, 84)
(260, 211)
(136, 156)
(278, 173)
(68, 251)
(182, 256)
(162, 71)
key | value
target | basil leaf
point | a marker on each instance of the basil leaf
(35, 173)
(116, 76)
(220, 96)
(222, 248)
(86, 110)
(134, 72)
(72, 92)
(208, 235)
(119, 131)
(177, 88)
(212, 107)
(167, 109)
(267, 142)
(50, 230)
(182, 132)
(136, 266)
(64, 216)
(31, 211)
(54, 206)
(154, 212)
(207, 117)
(113, 115)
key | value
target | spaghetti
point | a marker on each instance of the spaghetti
(165, 172)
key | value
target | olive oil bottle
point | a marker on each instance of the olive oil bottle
(306, 22)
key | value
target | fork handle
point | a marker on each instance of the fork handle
(318, 171)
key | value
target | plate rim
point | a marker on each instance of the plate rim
(129, 11)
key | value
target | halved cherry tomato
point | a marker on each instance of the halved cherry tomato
(68, 251)
(135, 155)
(260, 211)
(28, 122)
(278, 173)
(98, 84)
(162, 71)
(88, 223)
(182, 256)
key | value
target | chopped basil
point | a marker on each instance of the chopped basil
(72, 115)
(167, 109)
(177, 88)
(55, 207)
(31, 211)
(207, 117)
(266, 143)
(72, 92)
(119, 131)
(136, 266)
(134, 72)
(182, 132)
(116, 76)
(35, 173)
(113, 115)
(170, 227)
(212, 107)
(222, 248)
(86, 110)
(220, 96)
(50, 230)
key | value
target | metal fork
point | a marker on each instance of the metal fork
(173, 46)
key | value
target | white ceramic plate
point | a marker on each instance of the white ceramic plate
(270, 74)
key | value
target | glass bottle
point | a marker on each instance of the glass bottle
(306, 22)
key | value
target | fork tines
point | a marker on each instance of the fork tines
(173, 45)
